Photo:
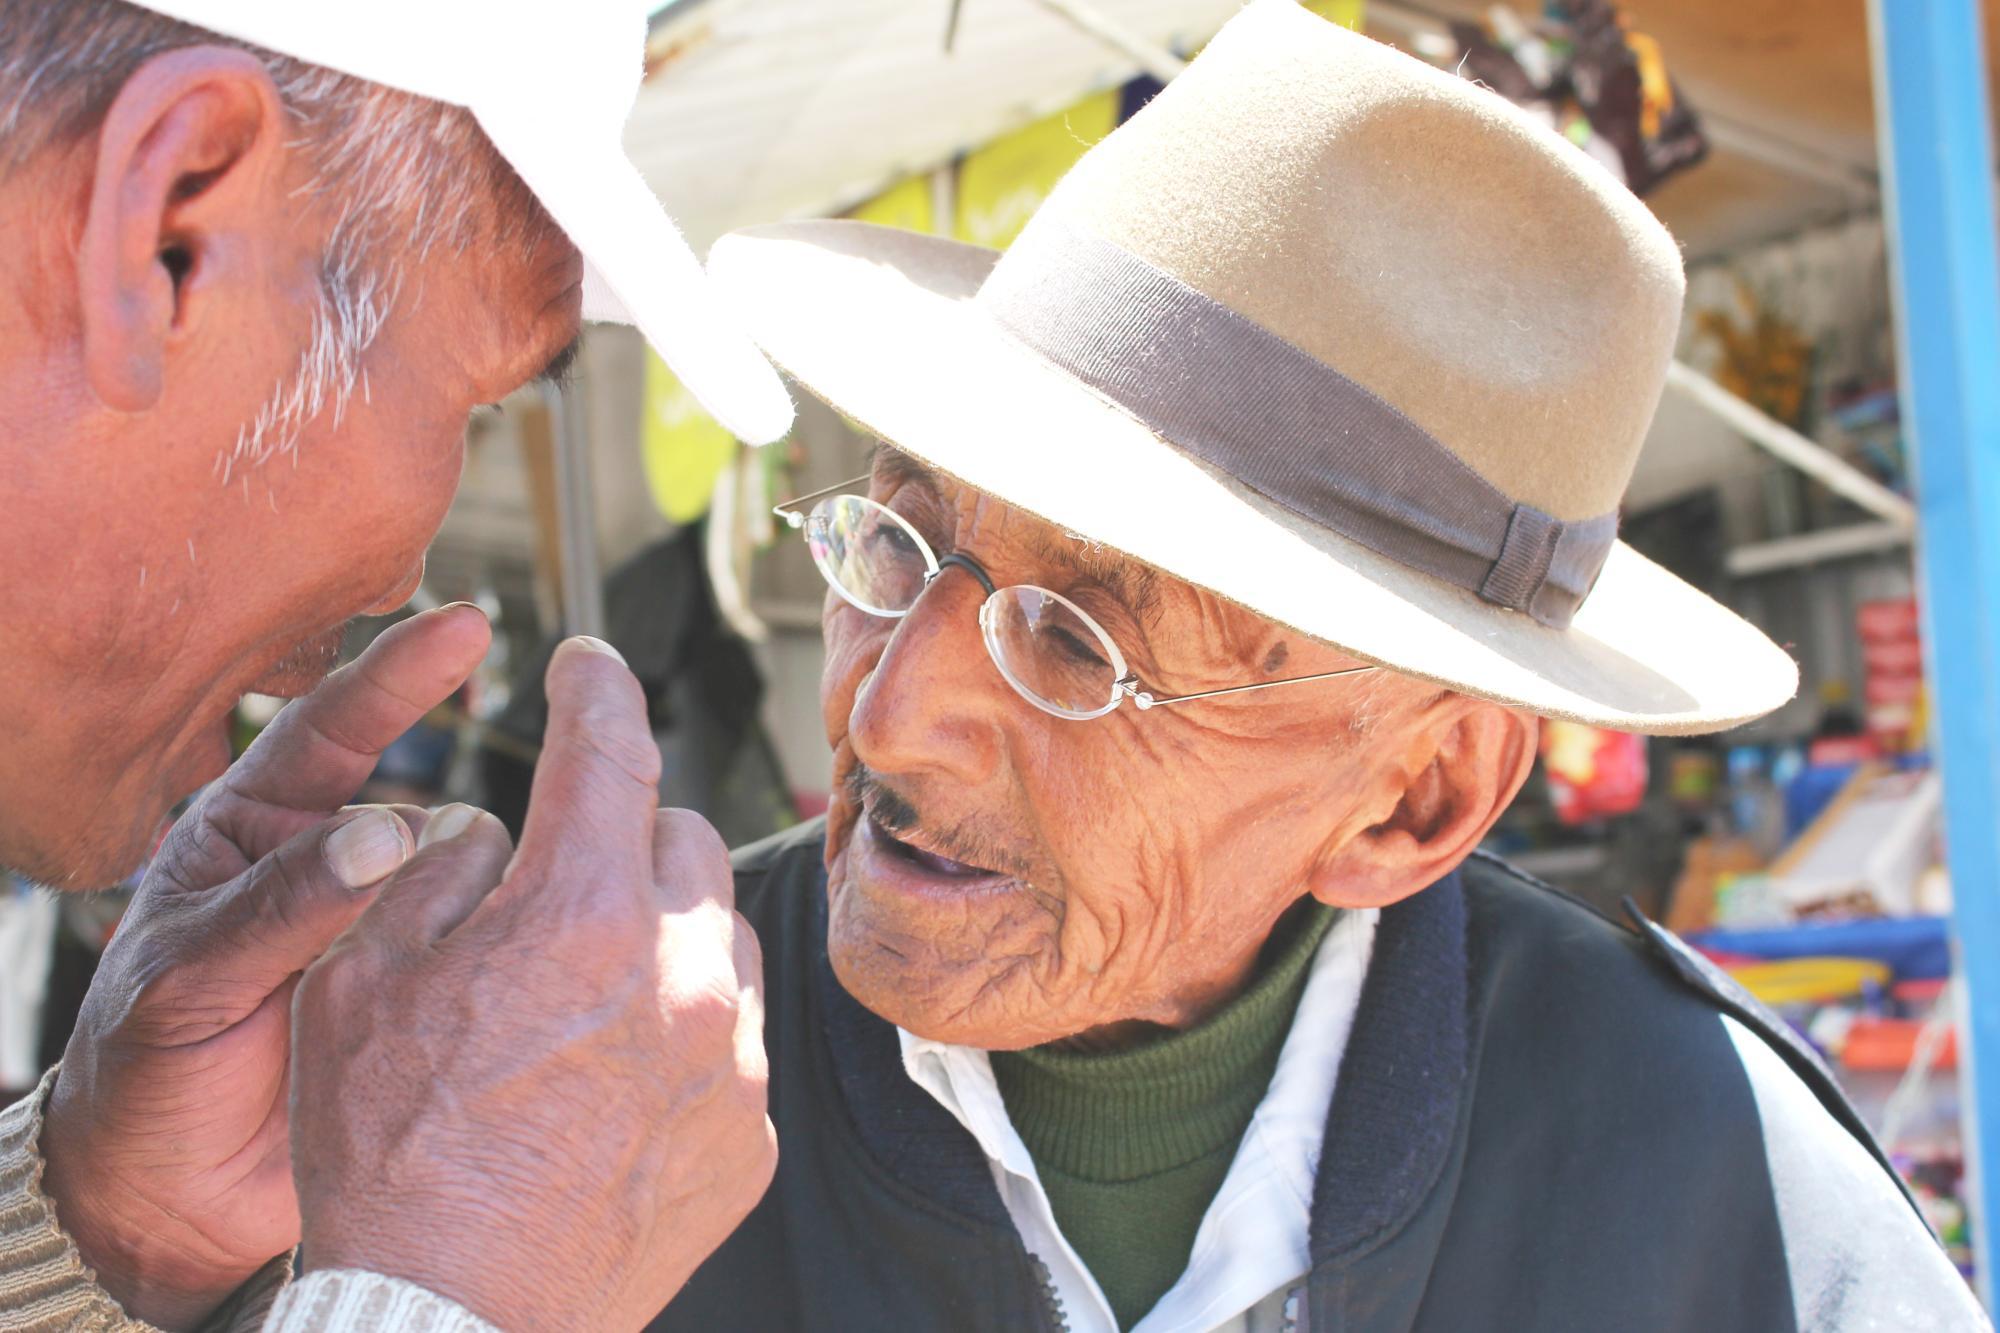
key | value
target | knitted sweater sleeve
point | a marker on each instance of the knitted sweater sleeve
(46, 1287)
(347, 1300)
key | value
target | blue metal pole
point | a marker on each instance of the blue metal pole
(1933, 127)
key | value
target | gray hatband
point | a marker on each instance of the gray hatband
(1232, 394)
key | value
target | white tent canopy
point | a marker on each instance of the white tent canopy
(764, 109)
(767, 109)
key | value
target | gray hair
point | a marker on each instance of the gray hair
(400, 175)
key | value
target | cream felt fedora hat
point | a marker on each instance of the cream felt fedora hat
(1336, 335)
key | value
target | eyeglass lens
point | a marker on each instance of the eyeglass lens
(869, 554)
(1051, 652)
(1048, 649)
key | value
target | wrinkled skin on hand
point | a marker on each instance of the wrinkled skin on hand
(534, 1081)
(166, 1135)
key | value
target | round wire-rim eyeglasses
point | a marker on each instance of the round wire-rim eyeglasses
(1046, 614)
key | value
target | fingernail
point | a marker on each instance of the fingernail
(447, 823)
(462, 606)
(588, 644)
(367, 850)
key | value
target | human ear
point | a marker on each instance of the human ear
(1467, 760)
(191, 141)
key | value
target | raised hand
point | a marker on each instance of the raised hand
(533, 1080)
(166, 1137)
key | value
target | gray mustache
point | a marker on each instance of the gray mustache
(894, 812)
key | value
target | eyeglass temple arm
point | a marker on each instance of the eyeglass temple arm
(789, 511)
(1130, 685)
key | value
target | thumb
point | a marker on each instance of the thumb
(280, 915)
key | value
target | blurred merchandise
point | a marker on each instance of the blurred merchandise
(1876, 997)
(1582, 69)
(1893, 690)
(1756, 807)
(1868, 849)
(1762, 357)
(1592, 773)
(1871, 419)
(1810, 980)
(1719, 881)
(1693, 778)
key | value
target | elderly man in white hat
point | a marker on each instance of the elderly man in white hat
(264, 257)
(1228, 537)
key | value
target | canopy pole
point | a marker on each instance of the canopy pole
(1157, 61)
(576, 508)
(1787, 445)
(1935, 144)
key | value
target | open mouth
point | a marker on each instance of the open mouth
(928, 861)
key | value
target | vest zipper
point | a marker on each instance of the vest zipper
(1051, 1302)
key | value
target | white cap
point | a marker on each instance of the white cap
(552, 85)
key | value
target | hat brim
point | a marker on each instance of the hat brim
(641, 271)
(880, 323)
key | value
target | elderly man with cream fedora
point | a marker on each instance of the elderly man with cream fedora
(1227, 537)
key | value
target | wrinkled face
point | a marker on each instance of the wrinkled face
(153, 575)
(1002, 877)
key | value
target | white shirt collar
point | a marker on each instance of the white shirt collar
(1253, 1239)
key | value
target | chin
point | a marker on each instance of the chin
(892, 983)
(882, 985)
(124, 829)
(971, 960)
(978, 1002)
(96, 856)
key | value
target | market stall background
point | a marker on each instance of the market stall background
(1804, 852)
(762, 108)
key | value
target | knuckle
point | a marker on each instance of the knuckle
(339, 982)
(610, 919)
(744, 937)
(691, 837)
(753, 1062)
(438, 866)
(314, 992)
(753, 1096)
(280, 888)
(609, 743)
(193, 849)
(704, 1016)
(767, 1150)
(173, 1000)
(756, 1162)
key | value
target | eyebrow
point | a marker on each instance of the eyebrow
(1134, 584)
(891, 464)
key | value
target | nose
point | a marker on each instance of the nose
(933, 703)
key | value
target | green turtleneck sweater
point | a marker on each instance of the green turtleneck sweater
(1132, 1145)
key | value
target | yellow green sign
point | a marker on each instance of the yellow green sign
(684, 448)
(1001, 185)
